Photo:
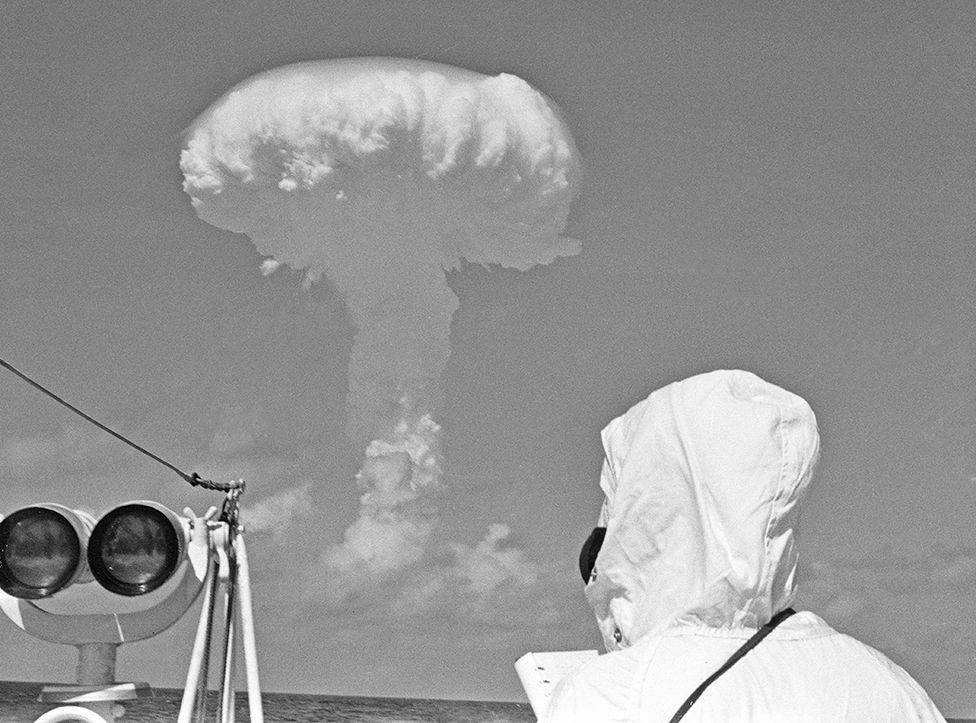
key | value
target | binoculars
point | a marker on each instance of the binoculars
(130, 550)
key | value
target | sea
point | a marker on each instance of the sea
(18, 704)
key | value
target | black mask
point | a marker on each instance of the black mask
(591, 548)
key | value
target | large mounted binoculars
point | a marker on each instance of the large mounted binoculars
(130, 550)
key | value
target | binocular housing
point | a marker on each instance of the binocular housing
(130, 550)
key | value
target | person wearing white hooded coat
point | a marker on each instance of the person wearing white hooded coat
(703, 482)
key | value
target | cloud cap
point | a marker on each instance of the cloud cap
(486, 162)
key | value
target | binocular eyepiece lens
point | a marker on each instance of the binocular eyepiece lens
(134, 549)
(39, 552)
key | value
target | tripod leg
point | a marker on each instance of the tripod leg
(247, 633)
(191, 707)
(230, 609)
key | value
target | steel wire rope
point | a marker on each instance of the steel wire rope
(193, 478)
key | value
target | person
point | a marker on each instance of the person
(703, 483)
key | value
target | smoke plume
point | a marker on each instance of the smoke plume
(380, 174)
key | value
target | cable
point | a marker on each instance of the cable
(194, 479)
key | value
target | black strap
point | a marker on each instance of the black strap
(736, 657)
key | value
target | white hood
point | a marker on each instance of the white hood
(703, 481)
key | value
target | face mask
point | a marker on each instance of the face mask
(591, 548)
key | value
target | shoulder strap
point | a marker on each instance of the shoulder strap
(736, 657)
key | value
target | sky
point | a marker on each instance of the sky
(786, 189)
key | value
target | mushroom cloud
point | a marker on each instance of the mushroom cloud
(381, 174)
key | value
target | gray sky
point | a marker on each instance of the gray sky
(783, 189)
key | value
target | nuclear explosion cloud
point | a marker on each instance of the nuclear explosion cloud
(380, 174)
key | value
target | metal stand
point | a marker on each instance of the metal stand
(96, 690)
(216, 556)
(230, 572)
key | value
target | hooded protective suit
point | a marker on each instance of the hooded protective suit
(703, 483)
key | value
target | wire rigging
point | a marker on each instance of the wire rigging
(193, 478)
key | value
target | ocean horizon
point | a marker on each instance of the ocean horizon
(18, 704)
